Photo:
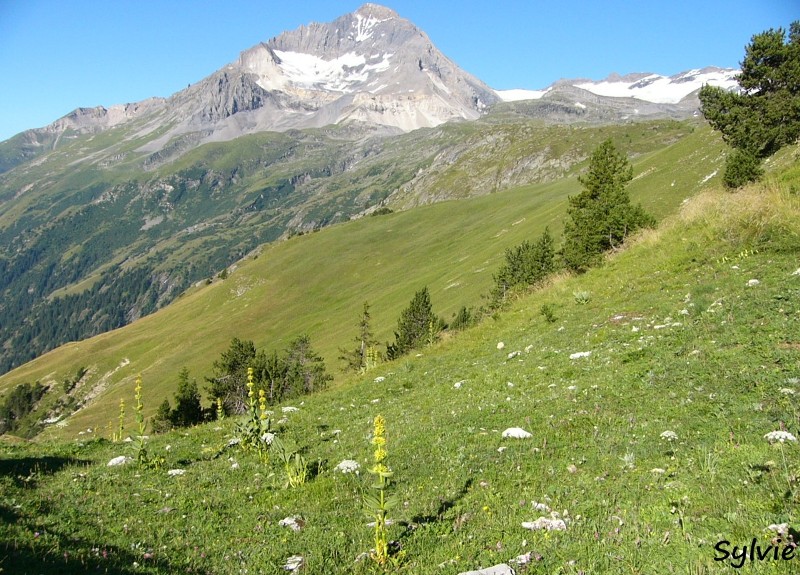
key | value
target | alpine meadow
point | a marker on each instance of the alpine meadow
(340, 307)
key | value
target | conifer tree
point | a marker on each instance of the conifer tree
(305, 369)
(601, 216)
(188, 410)
(356, 359)
(416, 325)
(765, 115)
(526, 265)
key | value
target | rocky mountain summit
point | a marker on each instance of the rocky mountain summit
(370, 67)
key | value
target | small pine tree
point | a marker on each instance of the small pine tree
(356, 359)
(416, 326)
(162, 420)
(526, 265)
(230, 375)
(462, 320)
(188, 410)
(741, 167)
(305, 369)
(601, 216)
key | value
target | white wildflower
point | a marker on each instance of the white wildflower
(458, 384)
(348, 466)
(796, 272)
(779, 436)
(528, 348)
(517, 433)
(500, 345)
(379, 379)
(786, 391)
(174, 472)
(514, 354)
(289, 409)
(658, 471)
(669, 435)
(268, 437)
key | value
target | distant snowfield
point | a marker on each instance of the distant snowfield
(652, 88)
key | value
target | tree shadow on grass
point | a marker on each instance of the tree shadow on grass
(68, 556)
(28, 548)
(25, 471)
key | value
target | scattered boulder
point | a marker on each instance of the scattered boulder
(121, 460)
(517, 433)
(500, 569)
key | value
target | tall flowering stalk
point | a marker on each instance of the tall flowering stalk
(251, 396)
(141, 442)
(377, 505)
(139, 406)
(255, 430)
(121, 429)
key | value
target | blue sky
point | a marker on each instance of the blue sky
(57, 55)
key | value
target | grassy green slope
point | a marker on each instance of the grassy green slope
(680, 340)
(316, 284)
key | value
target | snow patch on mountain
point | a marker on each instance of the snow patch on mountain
(516, 95)
(653, 88)
(337, 75)
(365, 26)
(662, 89)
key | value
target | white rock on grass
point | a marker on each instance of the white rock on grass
(517, 433)
(293, 563)
(753, 283)
(121, 460)
(500, 345)
(500, 569)
(514, 354)
(580, 354)
(293, 522)
(796, 272)
(546, 524)
(174, 472)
